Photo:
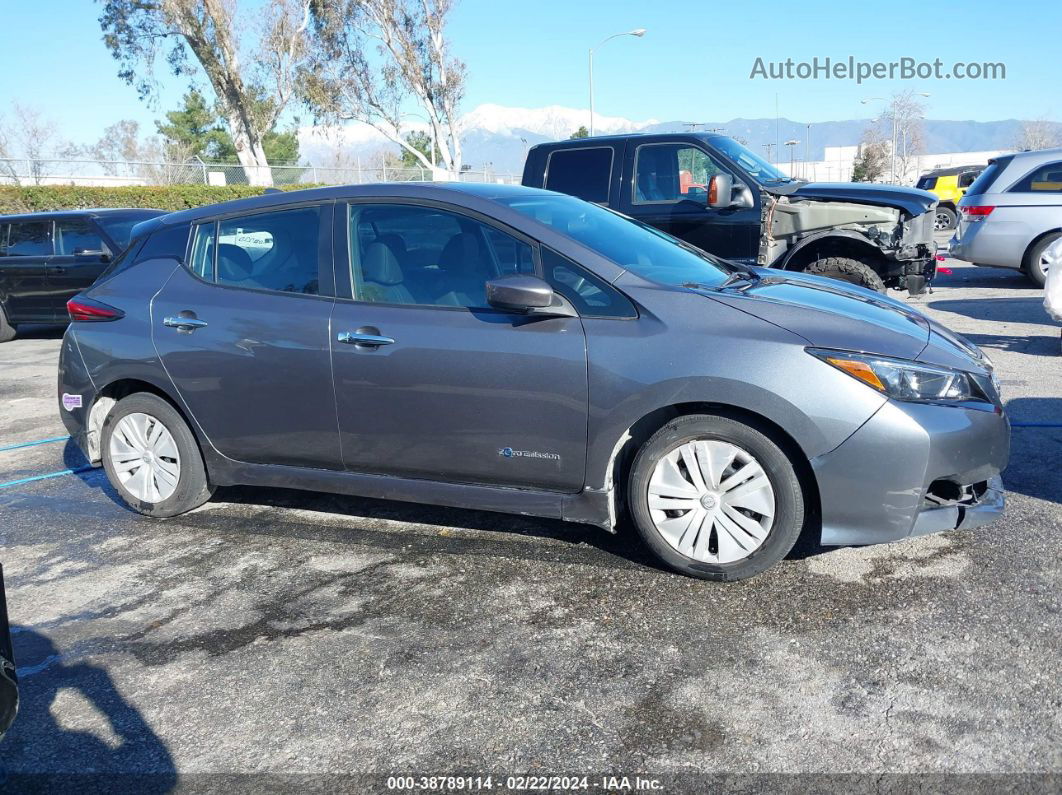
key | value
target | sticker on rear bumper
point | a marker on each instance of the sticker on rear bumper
(71, 402)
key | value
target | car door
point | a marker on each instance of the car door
(25, 250)
(81, 255)
(669, 190)
(242, 331)
(433, 383)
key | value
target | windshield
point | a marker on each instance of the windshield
(631, 244)
(757, 168)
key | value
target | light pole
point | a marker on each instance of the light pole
(639, 32)
(791, 144)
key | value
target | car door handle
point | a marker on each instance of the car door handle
(363, 338)
(184, 323)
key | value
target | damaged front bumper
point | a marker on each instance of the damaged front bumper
(913, 469)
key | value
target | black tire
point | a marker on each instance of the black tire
(945, 219)
(849, 270)
(1033, 266)
(7, 331)
(789, 498)
(192, 489)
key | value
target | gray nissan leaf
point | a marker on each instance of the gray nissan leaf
(517, 350)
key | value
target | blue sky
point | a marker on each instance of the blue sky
(693, 63)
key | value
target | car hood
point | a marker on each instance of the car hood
(911, 200)
(831, 314)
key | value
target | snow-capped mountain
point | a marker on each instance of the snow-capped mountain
(497, 137)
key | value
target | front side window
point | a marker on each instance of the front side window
(1042, 179)
(77, 236)
(632, 245)
(672, 172)
(266, 251)
(586, 173)
(29, 239)
(403, 254)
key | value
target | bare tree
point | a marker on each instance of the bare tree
(907, 114)
(8, 168)
(349, 81)
(28, 137)
(252, 97)
(1038, 134)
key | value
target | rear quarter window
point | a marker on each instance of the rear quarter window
(1045, 178)
(983, 184)
(585, 173)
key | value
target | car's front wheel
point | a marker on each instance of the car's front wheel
(151, 457)
(715, 498)
(847, 269)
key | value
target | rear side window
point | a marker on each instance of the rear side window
(586, 173)
(28, 239)
(1042, 179)
(967, 179)
(927, 183)
(266, 251)
(983, 184)
(169, 242)
(77, 236)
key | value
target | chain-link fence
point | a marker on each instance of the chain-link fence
(197, 172)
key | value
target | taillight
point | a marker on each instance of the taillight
(86, 310)
(977, 213)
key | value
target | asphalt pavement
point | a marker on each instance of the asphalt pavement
(303, 634)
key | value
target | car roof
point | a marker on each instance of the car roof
(1044, 154)
(452, 192)
(953, 170)
(83, 212)
(597, 140)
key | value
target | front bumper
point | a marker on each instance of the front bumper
(892, 478)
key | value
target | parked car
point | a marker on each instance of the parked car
(518, 350)
(714, 193)
(948, 185)
(1012, 213)
(47, 258)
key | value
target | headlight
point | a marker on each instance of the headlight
(902, 379)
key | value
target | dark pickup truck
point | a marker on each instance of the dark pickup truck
(712, 192)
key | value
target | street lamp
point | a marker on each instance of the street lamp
(892, 115)
(792, 168)
(639, 32)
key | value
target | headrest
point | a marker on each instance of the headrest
(233, 262)
(380, 265)
(462, 254)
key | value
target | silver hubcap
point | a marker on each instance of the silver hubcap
(943, 221)
(711, 501)
(145, 458)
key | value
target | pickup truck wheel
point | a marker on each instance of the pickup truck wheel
(1036, 260)
(849, 270)
(7, 331)
(715, 498)
(944, 219)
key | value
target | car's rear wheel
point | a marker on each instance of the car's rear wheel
(944, 219)
(7, 330)
(1036, 264)
(849, 270)
(151, 457)
(715, 498)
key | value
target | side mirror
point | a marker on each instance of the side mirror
(519, 293)
(720, 191)
(742, 197)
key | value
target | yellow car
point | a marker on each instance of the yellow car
(949, 185)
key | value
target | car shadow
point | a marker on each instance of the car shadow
(75, 731)
(1000, 310)
(1036, 438)
(40, 331)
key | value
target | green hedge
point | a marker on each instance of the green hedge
(42, 198)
